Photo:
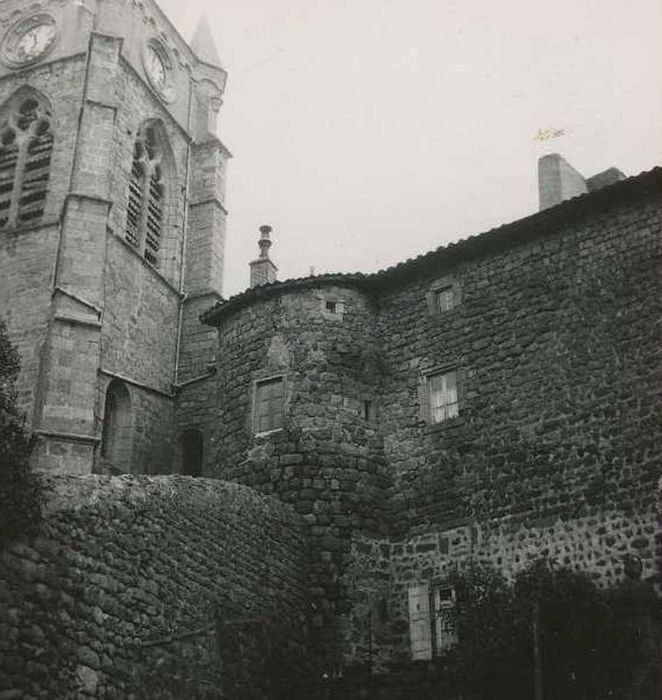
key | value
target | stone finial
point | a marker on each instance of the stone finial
(265, 241)
(203, 44)
(263, 271)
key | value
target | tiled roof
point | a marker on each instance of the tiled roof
(465, 248)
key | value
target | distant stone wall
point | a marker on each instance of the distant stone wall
(383, 570)
(148, 587)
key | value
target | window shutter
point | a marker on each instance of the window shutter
(8, 161)
(134, 207)
(432, 303)
(423, 400)
(35, 176)
(420, 633)
(154, 216)
(457, 294)
(461, 387)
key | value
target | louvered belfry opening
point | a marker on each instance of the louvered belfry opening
(144, 220)
(26, 151)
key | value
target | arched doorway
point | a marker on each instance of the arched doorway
(191, 444)
(117, 433)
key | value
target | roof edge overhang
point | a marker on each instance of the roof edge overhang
(540, 223)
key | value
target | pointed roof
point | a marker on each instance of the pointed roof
(203, 43)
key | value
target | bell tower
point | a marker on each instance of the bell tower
(112, 222)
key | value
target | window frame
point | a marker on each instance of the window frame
(426, 410)
(149, 175)
(25, 195)
(332, 308)
(439, 286)
(255, 419)
(429, 638)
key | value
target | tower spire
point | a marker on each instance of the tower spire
(203, 43)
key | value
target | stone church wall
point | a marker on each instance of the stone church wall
(131, 575)
(27, 257)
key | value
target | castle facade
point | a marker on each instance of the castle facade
(495, 399)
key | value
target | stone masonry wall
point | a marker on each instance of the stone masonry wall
(383, 569)
(558, 339)
(326, 461)
(557, 447)
(26, 269)
(149, 587)
(28, 257)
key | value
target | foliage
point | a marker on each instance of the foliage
(584, 648)
(20, 491)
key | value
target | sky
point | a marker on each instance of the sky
(370, 131)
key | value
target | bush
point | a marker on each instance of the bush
(585, 650)
(21, 496)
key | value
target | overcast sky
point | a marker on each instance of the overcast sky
(369, 131)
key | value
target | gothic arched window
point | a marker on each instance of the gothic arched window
(146, 205)
(116, 437)
(26, 149)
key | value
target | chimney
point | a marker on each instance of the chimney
(558, 180)
(263, 271)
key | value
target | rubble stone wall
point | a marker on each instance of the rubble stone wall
(131, 575)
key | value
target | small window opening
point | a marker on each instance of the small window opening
(444, 299)
(332, 307)
(369, 412)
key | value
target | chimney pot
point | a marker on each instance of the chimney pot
(263, 271)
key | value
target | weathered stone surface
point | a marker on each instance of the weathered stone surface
(150, 571)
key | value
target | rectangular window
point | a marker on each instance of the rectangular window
(369, 411)
(269, 405)
(431, 630)
(442, 395)
(445, 636)
(443, 296)
(444, 299)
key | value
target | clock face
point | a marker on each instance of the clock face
(35, 41)
(29, 40)
(156, 68)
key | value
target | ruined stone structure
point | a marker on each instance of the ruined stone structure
(496, 399)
